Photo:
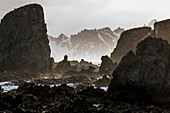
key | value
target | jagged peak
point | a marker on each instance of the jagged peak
(105, 29)
(119, 30)
(62, 36)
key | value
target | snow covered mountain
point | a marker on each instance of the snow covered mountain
(87, 44)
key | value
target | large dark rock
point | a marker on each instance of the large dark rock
(144, 75)
(23, 40)
(161, 30)
(107, 66)
(128, 41)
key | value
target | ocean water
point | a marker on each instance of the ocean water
(7, 86)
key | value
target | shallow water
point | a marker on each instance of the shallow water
(104, 88)
(7, 86)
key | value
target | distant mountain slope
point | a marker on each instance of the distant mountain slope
(87, 44)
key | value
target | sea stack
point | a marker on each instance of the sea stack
(24, 46)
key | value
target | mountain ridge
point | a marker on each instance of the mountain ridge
(86, 44)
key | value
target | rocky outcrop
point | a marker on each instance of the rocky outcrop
(161, 30)
(87, 44)
(107, 66)
(103, 82)
(23, 41)
(64, 65)
(128, 41)
(144, 75)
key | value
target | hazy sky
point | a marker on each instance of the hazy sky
(71, 16)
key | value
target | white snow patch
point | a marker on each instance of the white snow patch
(101, 38)
(117, 34)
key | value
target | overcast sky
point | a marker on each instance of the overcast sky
(71, 16)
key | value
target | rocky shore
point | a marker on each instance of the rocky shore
(32, 83)
(31, 98)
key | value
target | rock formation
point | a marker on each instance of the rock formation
(87, 44)
(23, 41)
(107, 66)
(145, 74)
(103, 82)
(65, 66)
(161, 30)
(128, 41)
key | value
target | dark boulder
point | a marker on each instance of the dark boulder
(144, 75)
(24, 46)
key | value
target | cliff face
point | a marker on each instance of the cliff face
(23, 40)
(128, 41)
(87, 44)
(162, 30)
(145, 74)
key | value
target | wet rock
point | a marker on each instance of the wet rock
(104, 81)
(93, 95)
(128, 41)
(122, 107)
(107, 66)
(23, 41)
(76, 105)
(144, 75)
(91, 69)
(79, 79)
(11, 101)
(26, 88)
